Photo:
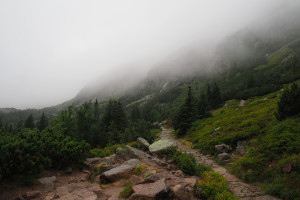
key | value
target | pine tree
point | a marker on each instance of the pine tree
(43, 123)
(216, 96)
(289, 103)
(1, 125)
(186, 114)
(96, 110)
(29, 122)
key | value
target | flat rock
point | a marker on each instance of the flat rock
(47, 181)
(161, 145)
(142, 143)
(224, 156)
(156, 190)
(92, 161)
(129, 152)
(151, 179)
(120, 172)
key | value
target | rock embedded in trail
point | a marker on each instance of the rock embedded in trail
(47, 182)
(123, 171)
(161, 145)
(33, 194)
(224, 156)
(149, 191)
(142, 143)
(223, 148)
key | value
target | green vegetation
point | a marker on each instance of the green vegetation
(289, 103)
(107, 151)
(127, 191)
(186, 162)
(214, 186)
(272, 145)
(31, 151)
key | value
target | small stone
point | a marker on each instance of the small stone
(86, 171)
(287, 168)
(33, 194)
(68, 171)
(179, 173)
(242, 103)
(223, 148)
(47, 181)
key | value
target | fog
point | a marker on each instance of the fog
(49, 50)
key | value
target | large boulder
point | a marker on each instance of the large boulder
(129, 152)
(224, 156)
(223, 148)
(142, 143)
(149, 191)
(241, 147)
(161, 145)
(123, 171)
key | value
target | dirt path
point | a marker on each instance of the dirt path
(237, 186)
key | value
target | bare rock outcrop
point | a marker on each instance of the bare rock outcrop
(149, 191)
(123, 171)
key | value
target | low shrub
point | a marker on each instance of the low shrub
(214, 186)
(31, 151)
(127, 191)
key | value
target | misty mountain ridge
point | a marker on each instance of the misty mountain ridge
(244, 50)
(255, 43)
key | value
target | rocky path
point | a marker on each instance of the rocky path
(238, 187)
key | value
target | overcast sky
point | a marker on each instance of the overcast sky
(49, 50)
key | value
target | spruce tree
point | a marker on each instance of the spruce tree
(29, 122)
(43, 122)
(186, 114)
(96, 110)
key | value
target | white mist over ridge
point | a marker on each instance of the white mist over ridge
(49, 50)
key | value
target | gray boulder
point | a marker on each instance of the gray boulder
(142, 143)
(129, 152)
(224, 156)
(123, 171)
(223, 148)
(149, 191)
(160, 145)
(241, 147)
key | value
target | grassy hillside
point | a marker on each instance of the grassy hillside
(272, 145)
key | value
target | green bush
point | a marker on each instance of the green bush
(127, 191)
(187, 163)
(214, 186)
(31, 151)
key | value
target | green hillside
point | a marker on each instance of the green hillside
(271, 144)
